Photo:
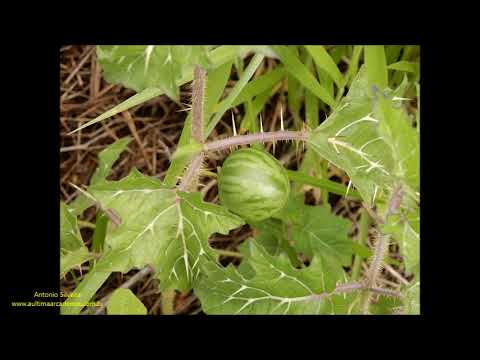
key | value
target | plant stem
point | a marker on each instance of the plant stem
(191, 172)
(381, 248)
(374, 269)
(198, 96)
(254, 138)
(362, 237)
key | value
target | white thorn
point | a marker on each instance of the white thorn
(148, 53)
(374, 195)
(261, 124)
(281, 117)
(348, 187)
(233, 125)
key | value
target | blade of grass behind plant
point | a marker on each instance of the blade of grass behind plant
(257, 86)
(329, 185)
(353, 66)
(295, 67)
(376, 65)
(324, 61)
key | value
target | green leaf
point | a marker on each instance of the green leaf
(197, 220)
(269, 234)
(171, 230)
(250, 121)
(276, 288)
(258, 86)
(72, 259)
(215, 86)
(392, 52)
(124, 302)
(158, 66)
(109, 262)
(227, 103)
(98, 239)
(107, 158)
(311, 110)
(70, 238)
(405, 229)
(141, 97)
(376, 64)
(138, 237)
(353, 66)
(324, 61)
(295, 67)
(404, 141)
(326, 184)
(349, 139)
(407, 66)
(317, 232)
(245, 269)
(273, 235)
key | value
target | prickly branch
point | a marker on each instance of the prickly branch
(198, 95)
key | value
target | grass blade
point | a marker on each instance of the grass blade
(353, 66)
(406, 66)
(295, 67)
(376, 64)
(329, 185)
(136, 99)
(258, 86)
(324, 61)
(249, 71)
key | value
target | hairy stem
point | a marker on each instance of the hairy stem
(375, 267)
(198, 99)
(382, 244)
(255, 138)
(191, 172)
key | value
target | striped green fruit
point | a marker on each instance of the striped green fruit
(253, 184)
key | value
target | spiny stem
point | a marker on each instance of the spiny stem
(255, 138)
(191, 172)
(198, 96)
(375, 266)
(382, 244)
